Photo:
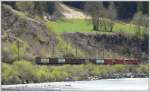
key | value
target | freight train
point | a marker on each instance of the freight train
(58, 61)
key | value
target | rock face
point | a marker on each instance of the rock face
(116, 42)
(32, 33)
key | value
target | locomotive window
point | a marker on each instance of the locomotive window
(98, 61)
(45, 60)
(61, 60)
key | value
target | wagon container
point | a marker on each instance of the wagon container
(61, 60)
(53, 60)
(74, 61)
(92, 60)
(132, 61)
(108, 61)
(99, 61)
(44, 60)
(38, 60)
(118, 61)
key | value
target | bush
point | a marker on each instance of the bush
(119, 68)
(9, 75)
(24, 69)
(144, 68)
(10, 52)
(57, 74)
(40, 73)
(96, 71)
(68, 49)
(7, 55)
(131, 68)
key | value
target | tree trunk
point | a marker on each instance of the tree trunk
(95, 24)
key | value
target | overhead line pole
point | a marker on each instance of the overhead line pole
(18, 50)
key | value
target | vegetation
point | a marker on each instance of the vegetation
(72, 25)
(23, 71)
(67, 49)
(80, 25)
(34, 8)
(99, 14)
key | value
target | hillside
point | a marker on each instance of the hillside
(70, 12)
(40, 38)
(33, 36)
(26, 36)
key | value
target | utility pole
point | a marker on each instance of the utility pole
(97, 53)
(18, 52)
(53, 49)
(76, 51)
(66, 46)
(103, 51)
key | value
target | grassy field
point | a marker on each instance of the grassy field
(75, 25)
(80, 25)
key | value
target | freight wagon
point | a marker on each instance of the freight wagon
(55, 61)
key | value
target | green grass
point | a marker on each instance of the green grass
(80, 25)
(127, 28)
(74, 25)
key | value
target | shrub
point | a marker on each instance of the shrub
(7, 55)
(10, 52)
(9, 75)
(68, 49)
(131, 68)
(25, 70)
(57, 75)
(40, 73)
(103, 69)
(119, 68)
(95, 71)
(144, 68)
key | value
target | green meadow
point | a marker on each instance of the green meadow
(81, 25)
